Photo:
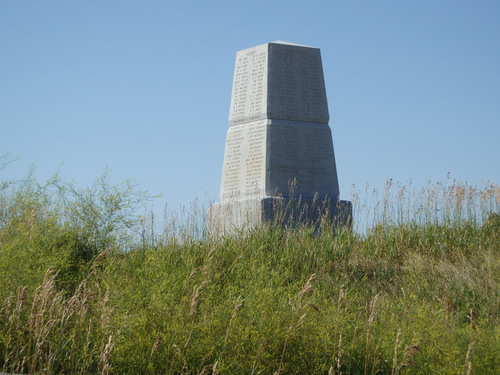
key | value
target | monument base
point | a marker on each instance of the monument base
(284, 212)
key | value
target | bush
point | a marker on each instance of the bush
(60, 226)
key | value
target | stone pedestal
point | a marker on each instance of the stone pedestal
(279, 163)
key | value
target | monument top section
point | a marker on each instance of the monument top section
(290, 44)
(278, 80)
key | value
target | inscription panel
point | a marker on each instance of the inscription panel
(249, 96)
(301, 151)
(244, 170)
(296, 84)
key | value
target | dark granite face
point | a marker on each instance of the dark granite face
(296, 86)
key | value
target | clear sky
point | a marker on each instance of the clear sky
(143, 88)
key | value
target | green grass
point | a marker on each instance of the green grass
(416, 293)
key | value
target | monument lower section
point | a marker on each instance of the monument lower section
(279, 161)
(281, 211)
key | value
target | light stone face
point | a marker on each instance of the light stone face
(249, 98)
(278, 138)
(244, 170)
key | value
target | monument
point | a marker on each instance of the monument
(279, 162)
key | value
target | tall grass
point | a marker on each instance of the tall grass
(415, 291)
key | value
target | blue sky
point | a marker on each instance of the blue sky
(143, 88)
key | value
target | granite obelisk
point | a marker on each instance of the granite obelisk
(279, 161)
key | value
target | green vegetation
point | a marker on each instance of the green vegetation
(416, 294)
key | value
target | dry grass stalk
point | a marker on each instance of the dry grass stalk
(195, 297)
(210, 254)
(307, 288)
(55, 326)
(373, 304)
(106, 310)
(376, 358)
(339, 357)
(296, 323)
(13, 359)
(104, 360)
(468, 362)
(371, 318)
(409, 358)
(21, 299)
(195, 271)
(156, 346)
(182, 358)
(472, 315)
(395, 356)
(197, 290)
(14, 320)
(154, 349)
(448, 310)
(341, 298)
(205, 267)
(46, 309)
(213, 369)
(237, 307)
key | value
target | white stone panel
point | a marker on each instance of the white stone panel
(249, 95)
(244, 169)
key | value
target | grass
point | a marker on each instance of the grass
(416, 291)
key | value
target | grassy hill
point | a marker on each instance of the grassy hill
(416, 293)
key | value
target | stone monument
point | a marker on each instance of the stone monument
(279, 163)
